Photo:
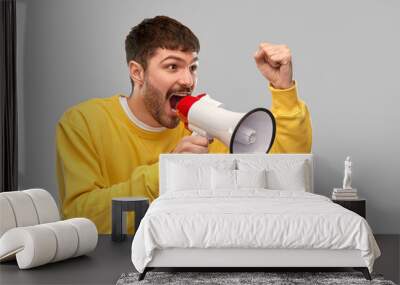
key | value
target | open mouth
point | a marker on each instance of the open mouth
(175, 98)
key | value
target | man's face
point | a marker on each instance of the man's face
(170, 75)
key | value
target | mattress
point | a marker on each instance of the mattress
(251, 219)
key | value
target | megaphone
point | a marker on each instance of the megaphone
(251, 132)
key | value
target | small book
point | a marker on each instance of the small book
(345, 198)
(341, 197)
(341, 190)
(345, 194)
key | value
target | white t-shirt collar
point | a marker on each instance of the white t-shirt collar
(124, 103)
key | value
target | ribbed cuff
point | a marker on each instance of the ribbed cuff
(285, 100)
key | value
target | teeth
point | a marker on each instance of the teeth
(181, 94)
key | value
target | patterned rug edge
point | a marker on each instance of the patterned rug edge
(269, 278)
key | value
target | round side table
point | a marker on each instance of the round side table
(120, 206)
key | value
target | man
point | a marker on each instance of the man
(110, 147)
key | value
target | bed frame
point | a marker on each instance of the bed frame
(249, 259)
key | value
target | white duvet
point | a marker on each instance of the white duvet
(251, 218)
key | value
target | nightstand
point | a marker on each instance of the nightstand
(358, 206)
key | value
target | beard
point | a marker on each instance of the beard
(154, 101)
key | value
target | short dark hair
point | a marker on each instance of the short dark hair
(158, 32)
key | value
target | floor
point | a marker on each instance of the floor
(388, 263)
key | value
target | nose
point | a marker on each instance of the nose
(187, 79)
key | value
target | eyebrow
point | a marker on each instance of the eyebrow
(178, 59)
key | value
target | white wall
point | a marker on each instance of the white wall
(345, 57)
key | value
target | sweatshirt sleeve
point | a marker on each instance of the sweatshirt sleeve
(84, 190)
(293, 123)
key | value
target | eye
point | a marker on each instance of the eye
(193, 68)
(172, 67)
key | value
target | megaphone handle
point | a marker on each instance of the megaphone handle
(199, 132)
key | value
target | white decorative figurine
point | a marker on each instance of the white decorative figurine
(347, 174)
(347, 192)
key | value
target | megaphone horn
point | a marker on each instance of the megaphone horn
(251, 132)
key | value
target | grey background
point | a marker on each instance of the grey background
(345, 56)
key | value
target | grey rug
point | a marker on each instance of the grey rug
(226, 278)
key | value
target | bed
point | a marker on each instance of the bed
(244, 211)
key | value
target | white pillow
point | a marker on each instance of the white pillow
(281, 174)
(186, 174)
(223, 179)
(290, 178)
(251, 178)
(184, 177)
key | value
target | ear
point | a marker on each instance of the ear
(136, 72)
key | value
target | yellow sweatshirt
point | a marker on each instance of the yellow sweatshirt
(102, 154)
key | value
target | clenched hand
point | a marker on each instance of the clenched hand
(275, 64)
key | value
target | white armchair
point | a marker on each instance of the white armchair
(31, 230)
